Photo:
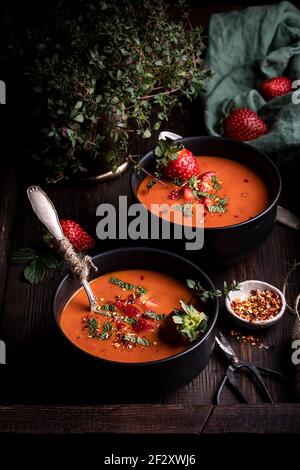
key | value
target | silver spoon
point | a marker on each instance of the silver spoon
(46, 212)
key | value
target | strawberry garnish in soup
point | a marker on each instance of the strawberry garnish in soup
(185, 166)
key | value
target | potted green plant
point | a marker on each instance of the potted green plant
(103, 73)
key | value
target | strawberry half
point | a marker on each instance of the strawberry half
(80, 240)
(185, 166)
(273, 87)
(243, 124)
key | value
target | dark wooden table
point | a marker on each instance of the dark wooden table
(41, 390)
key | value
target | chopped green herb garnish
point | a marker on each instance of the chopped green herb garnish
(215, 182)
(106, 331)
(125, 285)
(130, 320)
(205, 194)
(220, 206)
(178, 181)
(93, 326)
(158, 174)
(110, 307)
(141, 290)
(186, 209)
(193, 182)
(104, 312)
(151, 184)
(131, 338)
(155, 316)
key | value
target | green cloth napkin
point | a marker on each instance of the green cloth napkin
(244, 48)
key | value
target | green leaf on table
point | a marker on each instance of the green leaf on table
(35, 272)
(49, 261)
(24, 255)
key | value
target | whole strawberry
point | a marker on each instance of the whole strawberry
(273, 87)
(243, 124)
(80, 240)
(175, 161)
(185, 166)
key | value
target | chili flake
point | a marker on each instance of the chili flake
(259, 306)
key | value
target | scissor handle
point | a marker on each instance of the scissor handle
(229, 377)
(257, 377)
(275, 373)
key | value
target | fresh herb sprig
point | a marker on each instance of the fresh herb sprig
(216, 184)
(206, 295)
(105, 76)
(219, 206)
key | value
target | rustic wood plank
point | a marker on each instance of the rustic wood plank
(255, 419)
(152, 419)
(134, 419)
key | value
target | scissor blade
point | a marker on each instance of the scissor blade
(225, 346)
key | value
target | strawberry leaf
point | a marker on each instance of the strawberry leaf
(35, 272)
(24, 255)
(49, 261)
(38, 263)
(165, 151)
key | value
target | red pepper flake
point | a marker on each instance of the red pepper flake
(248, 339)
(174, 194)
(259, 306)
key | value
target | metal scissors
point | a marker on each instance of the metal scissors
(236, 364)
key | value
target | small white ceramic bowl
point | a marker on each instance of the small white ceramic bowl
(243, 293)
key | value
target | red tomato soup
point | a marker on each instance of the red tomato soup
(133, 306)
(244, 190)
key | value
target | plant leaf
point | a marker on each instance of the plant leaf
(147, 134)
(78, 118)
(49, 261)
(35, 272)
(24, 255)
(190, 283)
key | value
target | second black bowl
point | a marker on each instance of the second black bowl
(225, 245)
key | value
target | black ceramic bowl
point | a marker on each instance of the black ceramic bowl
(156, 375)
(226, 245)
